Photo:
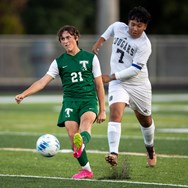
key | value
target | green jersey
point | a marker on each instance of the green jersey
(77, 76)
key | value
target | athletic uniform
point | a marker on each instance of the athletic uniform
(132, 53)
(77, 74)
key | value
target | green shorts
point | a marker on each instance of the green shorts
(73, 110)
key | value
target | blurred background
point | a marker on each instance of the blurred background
(28, 41)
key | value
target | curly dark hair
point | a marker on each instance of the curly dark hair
(140, 14)
(70, 29)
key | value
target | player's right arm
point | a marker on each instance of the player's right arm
(104, 37)
(34, 88)
(40, 84)
(97, 45)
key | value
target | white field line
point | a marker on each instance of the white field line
(58, 98)
(98, 152)
(155, 108)
(95, 180)
(10, 133)
(173, 130)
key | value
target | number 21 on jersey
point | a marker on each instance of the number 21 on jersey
(76, 77)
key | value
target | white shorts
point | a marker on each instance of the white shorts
(136, 97)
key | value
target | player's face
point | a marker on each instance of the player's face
(136, 28)
(68, 41)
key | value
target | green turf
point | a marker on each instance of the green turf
(21, 125)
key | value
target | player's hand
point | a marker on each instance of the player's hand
(101, 116)
(19, 98)
(105, 78)
(95, 50)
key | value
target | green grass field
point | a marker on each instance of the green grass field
(21, 166)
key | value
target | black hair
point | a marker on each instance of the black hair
(140, 14)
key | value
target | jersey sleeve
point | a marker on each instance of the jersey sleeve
(109, 32)
(53, 69)
(96, 67)
(142, 55)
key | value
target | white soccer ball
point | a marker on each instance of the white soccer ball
(48, 145)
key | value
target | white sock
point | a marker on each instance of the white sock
(148, 134)
(114, 133)
(87, 167)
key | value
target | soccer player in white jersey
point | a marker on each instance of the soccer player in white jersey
(129, 85)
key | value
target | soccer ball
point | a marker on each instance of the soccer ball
(47, 145)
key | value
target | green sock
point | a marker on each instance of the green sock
(83, 160)
(86, 137)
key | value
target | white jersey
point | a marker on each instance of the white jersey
(128, 51)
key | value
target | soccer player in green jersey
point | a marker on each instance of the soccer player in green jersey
(83, 94)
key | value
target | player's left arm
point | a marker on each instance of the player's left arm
(133, 70)
(139, 61)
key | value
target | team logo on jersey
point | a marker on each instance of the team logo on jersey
(68, 111)
(145, 110)
(64, 67)
(84, 63)
(110, 98)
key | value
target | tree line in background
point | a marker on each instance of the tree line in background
(47, 16)
(168, 16)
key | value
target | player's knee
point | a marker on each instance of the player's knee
(115, 118)
(146, 123)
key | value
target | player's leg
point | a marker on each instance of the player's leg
(87, 113)
(114, 132)
(70, 118)
(82, 138)
(118, 99)
(140, 102)
(72, 130)
(80, 142)
(148, 130)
